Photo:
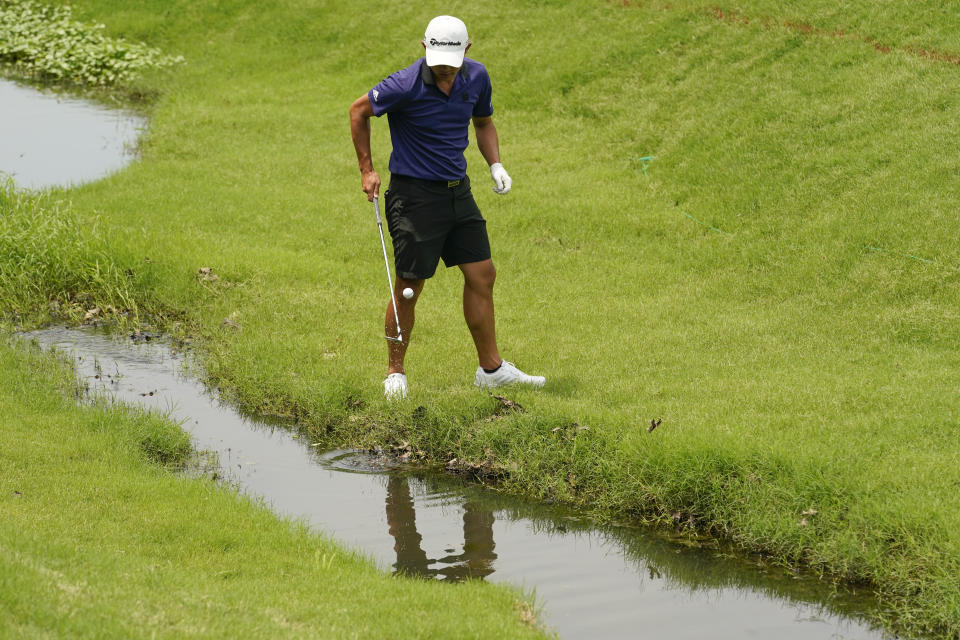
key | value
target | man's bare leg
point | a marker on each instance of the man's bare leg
(396, 351)
(478, 279)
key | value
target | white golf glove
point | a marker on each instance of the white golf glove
(501, 181)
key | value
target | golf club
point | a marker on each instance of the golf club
(386, 263)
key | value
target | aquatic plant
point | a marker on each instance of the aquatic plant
(46, 43)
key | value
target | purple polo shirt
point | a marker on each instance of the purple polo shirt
(428, 128)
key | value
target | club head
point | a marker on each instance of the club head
(398, 339)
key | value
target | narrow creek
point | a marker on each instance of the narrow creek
(590, 581)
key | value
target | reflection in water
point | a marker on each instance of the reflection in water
(607, 580)
(50, 140)
(477, 558)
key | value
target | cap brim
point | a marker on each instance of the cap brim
(446, 58)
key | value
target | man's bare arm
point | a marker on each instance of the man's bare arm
(360, 113)
(489, 145)
(487, 140)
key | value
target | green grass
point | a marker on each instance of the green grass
(56, 260)
(99, 540)
(781, 287)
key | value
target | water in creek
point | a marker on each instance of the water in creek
(50, 140)
(591, 581)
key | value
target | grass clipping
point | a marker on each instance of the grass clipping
(46, 43)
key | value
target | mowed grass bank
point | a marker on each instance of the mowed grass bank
(780, 286)
(99, 540)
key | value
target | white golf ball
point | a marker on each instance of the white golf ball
(408, 293)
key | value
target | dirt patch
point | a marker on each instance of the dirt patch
(933, 54)
(735, 17)
(732, 16)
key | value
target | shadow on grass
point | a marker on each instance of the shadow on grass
(562, 386)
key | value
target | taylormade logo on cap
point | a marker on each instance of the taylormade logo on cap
(446, 41)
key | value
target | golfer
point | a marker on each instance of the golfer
(430, 209)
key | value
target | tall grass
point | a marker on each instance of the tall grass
(56, 261)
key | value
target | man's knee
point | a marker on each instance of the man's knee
(404, 283)
(480, 276)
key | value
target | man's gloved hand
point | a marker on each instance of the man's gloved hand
(501, 181)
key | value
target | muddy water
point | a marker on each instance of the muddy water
(49, 140)
(591, 582)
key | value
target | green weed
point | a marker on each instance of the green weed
(45, 43)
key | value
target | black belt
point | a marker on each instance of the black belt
(449, 184)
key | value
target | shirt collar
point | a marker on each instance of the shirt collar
(427, 75)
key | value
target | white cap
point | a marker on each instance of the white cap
(446, 41)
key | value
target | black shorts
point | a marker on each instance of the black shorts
(429, 220)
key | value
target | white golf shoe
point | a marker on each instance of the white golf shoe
(395, 386)
(506, 374)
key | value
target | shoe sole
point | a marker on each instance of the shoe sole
(536, 385)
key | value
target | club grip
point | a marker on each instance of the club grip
(376, 208)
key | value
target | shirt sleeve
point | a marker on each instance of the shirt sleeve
(390, 94)
(484, 106)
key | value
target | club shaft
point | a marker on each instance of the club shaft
(386, 263)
